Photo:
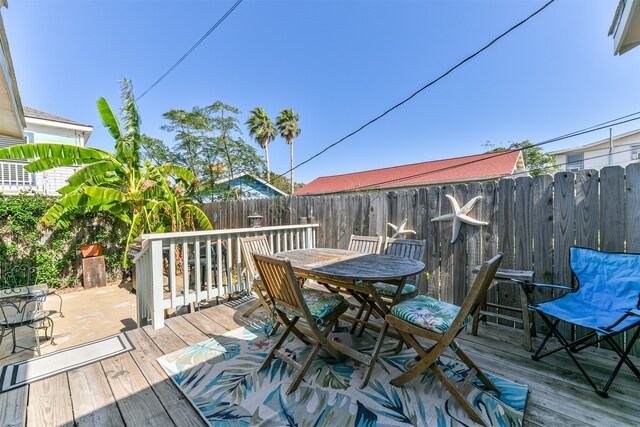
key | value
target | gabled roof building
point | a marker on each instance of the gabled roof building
(479, 167)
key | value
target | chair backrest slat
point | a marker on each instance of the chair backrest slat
(365, 244)
(281, 283)
(406, 248)
(253, 245)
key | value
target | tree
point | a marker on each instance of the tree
(536, 160)
(262, 129)
(208, 143)
(287, 123)
(120, 183)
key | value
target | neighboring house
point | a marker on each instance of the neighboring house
(250, 186)
(618, 150)
(42, 127)
(12, 121)
(479, 167)
(625, 27)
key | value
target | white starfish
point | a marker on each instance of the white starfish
(400, 231)
(459, 215)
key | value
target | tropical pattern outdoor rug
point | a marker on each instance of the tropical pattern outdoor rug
(220, 377)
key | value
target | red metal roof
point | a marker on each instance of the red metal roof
(468, 168)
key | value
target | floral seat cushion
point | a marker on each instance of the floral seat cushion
(428, 313)
(320, 303)
(390, 290)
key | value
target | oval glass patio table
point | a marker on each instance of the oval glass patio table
(356, 273)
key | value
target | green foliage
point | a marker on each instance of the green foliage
(207, 142)
(263, 130)
(287, 124)
(56, 252)
(120, 184)
(536, 160)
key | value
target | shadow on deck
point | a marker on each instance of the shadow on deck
(132, 389)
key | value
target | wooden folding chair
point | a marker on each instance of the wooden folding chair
(441, 322)
(365, 244)
(406, 248)
(256, 245)
(293, 303)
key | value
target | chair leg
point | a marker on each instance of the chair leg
(374, 355)
(275, 329)
(290, 327)
(365, 319)
(322, 343)
(303, 370)
(451, 388)
(249, 312)
(471, 365)
(358, 315)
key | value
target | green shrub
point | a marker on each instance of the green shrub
(56, 253)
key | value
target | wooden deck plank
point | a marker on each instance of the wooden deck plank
(566, 397)
(598, 363)
(145, 354)
(165, 339)
(92, 398)
(205, 324)
(137, 402)
(13, 407)
(185, 330)
(50, 402)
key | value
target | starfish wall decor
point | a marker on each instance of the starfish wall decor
(459, 215)
(400, 231)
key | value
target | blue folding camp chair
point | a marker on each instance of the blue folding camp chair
(606, 301)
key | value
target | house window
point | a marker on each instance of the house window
(29, 137)
(635, 152)
(575, 162)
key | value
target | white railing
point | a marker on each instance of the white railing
(179, 269)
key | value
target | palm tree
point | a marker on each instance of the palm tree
(262, 129)
(120, 183)
(287, 123)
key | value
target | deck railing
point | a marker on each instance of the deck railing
(179, 269)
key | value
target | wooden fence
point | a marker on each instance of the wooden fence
(533, 221)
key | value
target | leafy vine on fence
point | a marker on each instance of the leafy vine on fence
(56, 252)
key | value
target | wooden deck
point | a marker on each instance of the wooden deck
(131, 389)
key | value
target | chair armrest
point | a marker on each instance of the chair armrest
(524, 283)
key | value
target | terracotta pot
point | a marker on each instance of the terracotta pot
(88, 251)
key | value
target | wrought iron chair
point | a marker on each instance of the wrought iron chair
(441, 322)
(25, 311)
(605, 301)
(25, 275)
(293, 303)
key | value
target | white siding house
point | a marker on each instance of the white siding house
(620, 151)
(43, 127)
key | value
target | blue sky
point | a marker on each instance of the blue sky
(338, 64)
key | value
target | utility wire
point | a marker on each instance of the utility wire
(446, 73)
(589, 158)
(503, 153)
(231, 9)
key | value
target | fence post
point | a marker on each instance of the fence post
(157, 308)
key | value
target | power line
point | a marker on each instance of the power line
(590, 158)
(446, 73)
(590, 129)
(231, 9)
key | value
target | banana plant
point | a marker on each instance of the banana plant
(139, 193)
